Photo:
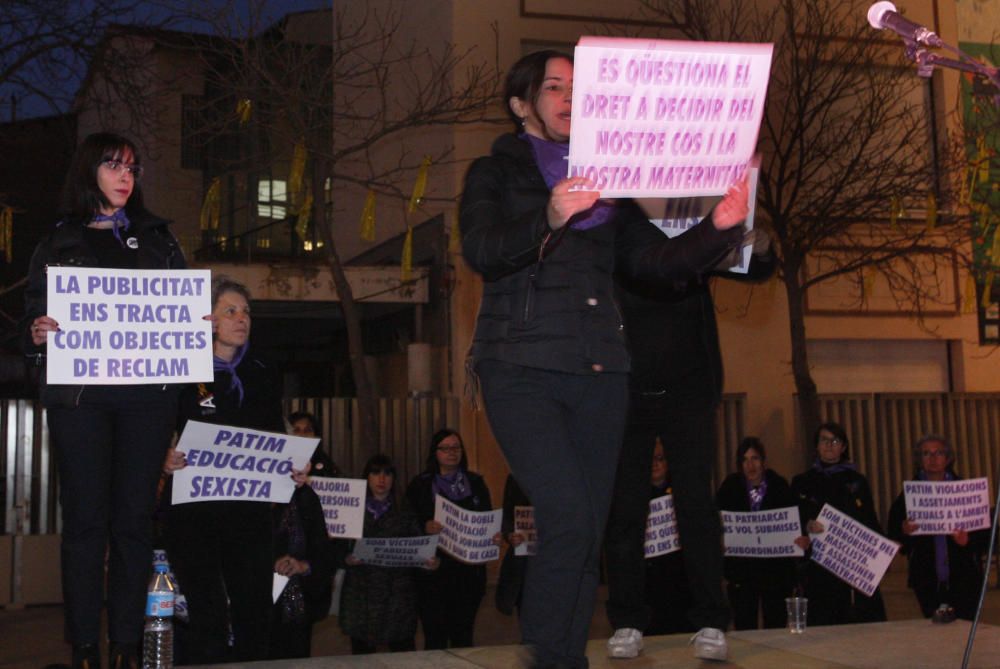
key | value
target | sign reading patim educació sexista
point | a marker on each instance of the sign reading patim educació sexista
(660, 118)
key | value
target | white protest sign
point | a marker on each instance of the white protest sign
(278, 584)
(659, 118)
(850, 551)
(234, 463)
(467, 535)
(129, 327)
(343, 502)
(661, 527)
(943, 507)
(674, 216)
(524, 524)
(762, 534)
(396, 551)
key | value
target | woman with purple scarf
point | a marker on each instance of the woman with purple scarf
(221, 551)
(945, 570)
(835, 481)
(756, 584)
(109, 440)
(549, 350)
(448, 598)
(379, 604)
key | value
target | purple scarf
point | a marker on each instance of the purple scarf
(756, 494)
(551, 158)
(120, 221)
(830, 470)
(377, 507)
(454, 486)
(220, 365)
(941, 566)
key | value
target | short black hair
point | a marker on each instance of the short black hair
(380, 462)
(432, 464)
(525, 77)
(296, 416)
(837, 430)
(82, 197)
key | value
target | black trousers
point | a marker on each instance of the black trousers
(222, 557)
(447, 601)
(561, 434)
(750, 597)
(685, 423)
(110, 450)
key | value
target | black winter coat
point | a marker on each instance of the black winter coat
(964, 563)
(847, 491)
(559, 313)
(766, 573)
(157, 249)
(302, 520)
(379, 604)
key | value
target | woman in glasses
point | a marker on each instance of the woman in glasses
(834, 480)
(109, 440)
(449, 597)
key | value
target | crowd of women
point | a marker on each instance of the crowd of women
(552, 360)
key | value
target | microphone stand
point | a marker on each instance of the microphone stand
(927, 60)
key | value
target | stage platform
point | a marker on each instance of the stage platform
(911, 644)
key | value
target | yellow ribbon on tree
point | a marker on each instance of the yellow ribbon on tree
(969, 298)
(368, 217)
(297, 169)
(420, 185)
(7, 233)
(987, 290)
(210, 208)
(244, 110)
(305, 211)
(995, 249)
(406, 262)
(895, 211)
(932, 211)
(982, 160)
(868, 282)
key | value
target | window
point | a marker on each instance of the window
(192, 132)
(272, 198)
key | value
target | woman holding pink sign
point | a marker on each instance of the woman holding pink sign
(109, 440)
(549, 349)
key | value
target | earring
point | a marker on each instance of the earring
(523, 121)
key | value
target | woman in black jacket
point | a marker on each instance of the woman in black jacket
(379, 604)
(448, 598)
(109, 440)
(946, 569)
(835, 481)
(222, 551)
(757, 583)
(549, 349)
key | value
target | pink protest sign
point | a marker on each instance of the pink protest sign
(659, 118)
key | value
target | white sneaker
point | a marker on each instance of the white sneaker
(710, 644)
(626, 643)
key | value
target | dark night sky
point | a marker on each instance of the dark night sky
(271, 12)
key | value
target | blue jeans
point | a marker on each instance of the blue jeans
(561, 434)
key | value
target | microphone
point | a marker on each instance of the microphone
(883, 15)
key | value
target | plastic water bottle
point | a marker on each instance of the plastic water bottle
(158, 635)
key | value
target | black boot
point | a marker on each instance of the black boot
(123, 656)
(84, 657)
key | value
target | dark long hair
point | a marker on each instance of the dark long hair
(380, 462)
(745, 445)
(432, 466)
(525, 77)
(81, 196)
